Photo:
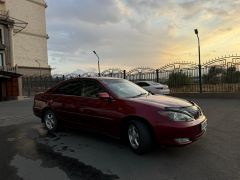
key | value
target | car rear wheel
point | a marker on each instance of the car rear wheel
(50, 121)
(139, 137)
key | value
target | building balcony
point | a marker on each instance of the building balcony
(8, 69)
(17, 24)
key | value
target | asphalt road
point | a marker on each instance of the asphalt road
(28, 152)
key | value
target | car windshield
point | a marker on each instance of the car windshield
(124, 88)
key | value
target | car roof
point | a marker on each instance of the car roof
(102, 78)
(147, 81)
(79, 78)
(96, 78)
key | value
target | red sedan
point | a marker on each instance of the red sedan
(121, 109)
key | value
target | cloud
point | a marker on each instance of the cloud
(91, 11)
(130, 33)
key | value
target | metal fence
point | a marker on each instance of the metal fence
(218, 75)
(215, 79)
(33, 85)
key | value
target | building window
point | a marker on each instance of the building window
(1, 36)
(1, 59)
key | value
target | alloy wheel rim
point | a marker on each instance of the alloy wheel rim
(133, 136)
(50, 120)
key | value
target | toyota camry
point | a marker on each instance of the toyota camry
(121, 109)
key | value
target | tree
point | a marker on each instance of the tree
(177, 79)
(232, 75)
(215, 75)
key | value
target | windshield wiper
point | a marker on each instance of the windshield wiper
(139, 95)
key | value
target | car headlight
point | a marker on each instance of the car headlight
(177, 116)
(197, 106)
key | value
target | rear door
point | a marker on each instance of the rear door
(63, 101)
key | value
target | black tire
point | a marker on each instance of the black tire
(50, 121)
(144, 140)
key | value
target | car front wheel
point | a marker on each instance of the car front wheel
(50, 121)
(139, 137)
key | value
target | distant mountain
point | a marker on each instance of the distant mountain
(75, 73)
(78, 71)
(70, 74)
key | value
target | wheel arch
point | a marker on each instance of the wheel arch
(126, 120)
(43, 112)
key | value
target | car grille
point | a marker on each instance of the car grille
(194, 111)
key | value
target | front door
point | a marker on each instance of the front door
(99, 114)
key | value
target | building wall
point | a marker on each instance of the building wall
(30, 44)
(2, 6)
(33, 71)
(28, 49)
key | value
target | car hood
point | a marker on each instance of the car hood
(162, 101)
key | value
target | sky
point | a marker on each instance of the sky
(138, 33)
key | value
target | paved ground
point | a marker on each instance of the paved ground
(28, 152)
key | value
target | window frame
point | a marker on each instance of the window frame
(2, 39)
(96, 82)
(83, 81)
(57, 92)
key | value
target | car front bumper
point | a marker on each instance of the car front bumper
(37, 112)
(181, 133)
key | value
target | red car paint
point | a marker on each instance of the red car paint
(107, 116)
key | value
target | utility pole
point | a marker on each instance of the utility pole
(99, 73)
(199, 63)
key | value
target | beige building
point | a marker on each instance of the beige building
(23, 33)
(23, 43)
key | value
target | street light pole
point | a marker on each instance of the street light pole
(199, 63)
(99, 73)
(39, 67)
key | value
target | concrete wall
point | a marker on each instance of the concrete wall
(31, 12)
(34, 71)
(209, 95)
(31, 43)
(2, 6)
(29, 48)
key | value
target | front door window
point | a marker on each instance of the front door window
(92, 88)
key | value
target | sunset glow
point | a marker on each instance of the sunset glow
(132, 33)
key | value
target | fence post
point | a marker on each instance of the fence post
(157, 73)
(124, 74)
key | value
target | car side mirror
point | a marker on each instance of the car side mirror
(104, 95)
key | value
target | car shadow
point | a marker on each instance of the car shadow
(112, 156)
(74, 140)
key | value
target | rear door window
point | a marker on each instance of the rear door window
(70, 88)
